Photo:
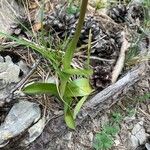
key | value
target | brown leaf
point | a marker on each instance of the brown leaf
(37, 26)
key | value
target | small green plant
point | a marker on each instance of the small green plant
(133, 56)
(65, 89)
(144, 97)
(105, 139)
(131, 112)
(102, 141)
(99, 4)
(117, 117)
(71, 9)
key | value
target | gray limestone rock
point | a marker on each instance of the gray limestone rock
(10, 12)
(21, 116)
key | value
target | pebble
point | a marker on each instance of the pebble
(90, 136)
(137, 127)
(141, 136)
(134, 141)
(147, 145)
(19, 118)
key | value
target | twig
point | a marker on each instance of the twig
(120, 62)
(98, 58)
(146, 114)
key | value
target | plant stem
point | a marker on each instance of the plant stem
(72, 45)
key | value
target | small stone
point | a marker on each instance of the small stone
(34, 132)
(17, 31)
(144, 107)
(68, 136)
(117, 142)
(147, 145)
(141, 136)
(1, 59)
(20, 117)
(128, 119)
(134, 141)
(60, 112)
(149, 108)
(148, 130)
(90, 136)
(137, 127)
(9, 71)
(139, 132)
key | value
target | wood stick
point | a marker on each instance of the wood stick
(120, 62)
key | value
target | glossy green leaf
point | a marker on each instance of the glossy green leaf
(64, 79)
(48, 54)
(41, 88)
(69, 119)
(68, 113)
(78, 87)
(78, 106)
(84, 72)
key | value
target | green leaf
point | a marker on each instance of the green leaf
(111, 129)
(48, 54)
(69, 119)
(117, 117)
(102, 141)
(68, 113)
(64, 79)
(72, 9)
(78, 87)
(41, 88)
(84, 72)
(78, 106)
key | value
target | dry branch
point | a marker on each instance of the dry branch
(112, 94)
(120, 62)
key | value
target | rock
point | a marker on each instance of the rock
(12, 70)
(147, 145)
(138, 135)
(141, 136)
(144, 107)
(148, 130)
(149, 108)
(9, 72)
(137, 128)
(34, 132)
(134, 141)
(11, 11)
(117, 140)
(129, 119)
(137, 1)
(90, 136)
(20, 118)
(68, 136)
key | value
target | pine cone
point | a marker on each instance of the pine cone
(60, 21)
(101, 77)
(105, 44)
(122, 13)
(63, 24)
(135, 11)
(118, 13)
